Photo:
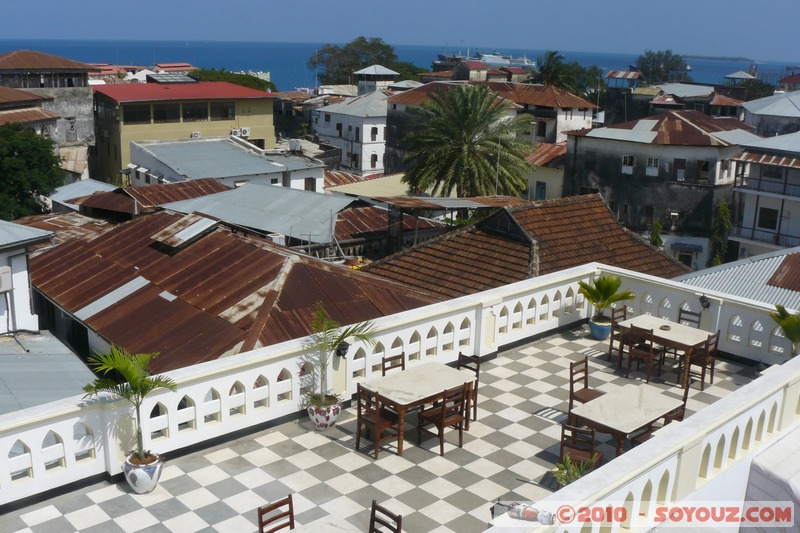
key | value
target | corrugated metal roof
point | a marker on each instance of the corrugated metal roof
(439, 203)
(376, 70)
(220, 294)
(20, 97)
(546, 154)
(685, 90)
(769, 159)
(334, 178)
(372, 104)
(79, 189)
(144, 198)
(67, 226)
(205, 90)
(623, 74)
(14, 235)
(740, 75)
(27, 116)
(365, 222)
(778, 105)
(750, 278)
(721, 99)
(301, 214)
(789, 143)
(32, 61)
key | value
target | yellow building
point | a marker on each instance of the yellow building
(162, 111)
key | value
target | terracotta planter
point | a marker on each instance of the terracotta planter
(143, 478)
(324, 416)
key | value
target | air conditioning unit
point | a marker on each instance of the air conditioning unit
(196, 135)
(5, 279)
(236, 132)
(245, 132)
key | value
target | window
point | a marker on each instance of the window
(310, 184)
(768, 218)
(166, 113)
(273, 181)
(567, 112)
(588, 190)
(136, 114)
(652, 166)
(195, 112)
(373, 134)
(541, 191)
(358, 132)
(700, 107)
(339, 128)
(223, 111)
(373, 160)
(354, 161)
(702, 169)
(679, 169)
(648, 214)
(686, 258)
(541, 129)
(327, 117)
(771, 171)
(628, 162)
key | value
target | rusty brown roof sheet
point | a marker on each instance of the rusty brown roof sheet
(148, 197)
(217, 294)
(623, 74)
(21, 97)
(438, 203)
(519, 93)
(787, 275)
(32, 61)
(364, 222)
(294, 96)
(769, 159)
(721, 99)
(67, 226)
(334, 178)
(26, 116)
(791, 80)
(545, 237)
(546, 154)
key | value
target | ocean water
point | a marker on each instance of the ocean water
(286, 62)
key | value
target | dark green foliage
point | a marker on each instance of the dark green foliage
(580, 81)
(662, 66)
(29, 170)
(755, 89)
(464, 144)
(655, 234)
(789, 324)
(720, 229)
(336, 64)
(245, 80)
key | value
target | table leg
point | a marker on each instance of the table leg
(687, 357)
(401, 412)
(620, 444)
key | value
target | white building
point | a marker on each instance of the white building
(778, 114)
(767, 195)
(358, 127)
(374, 78)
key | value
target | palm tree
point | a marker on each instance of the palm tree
(466, 143)
(553, 71)
(789, 324)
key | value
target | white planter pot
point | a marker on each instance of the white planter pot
(143, 478)
(324, 416)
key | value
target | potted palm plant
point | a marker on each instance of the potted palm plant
(789, 324)
(568, 470)
(328, 338)
(126, 376)
(603, 292)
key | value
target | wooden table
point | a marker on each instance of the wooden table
(625, 410)
(416, 386)
(671, 335)
(330, 523)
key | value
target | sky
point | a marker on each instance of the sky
(756, 29)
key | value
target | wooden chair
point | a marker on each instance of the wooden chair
(705, 357)
(394, 361)
(676, 415)
(579, 444)
(380, 516)
(449, 410)
(579, 390)
(276, 515)
(372, 416)
(687, 318)
(473, 363)
(642, 347)
(617, 337)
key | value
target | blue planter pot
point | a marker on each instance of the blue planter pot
(599, 332)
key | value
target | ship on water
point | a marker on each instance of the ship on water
(493, 59)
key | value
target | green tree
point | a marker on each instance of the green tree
(245, 80)
(755, 89)
(720, 229)
(29, 171)
(789, 324)
(465, 144)
(661, 66)
(655, 234)
(553, 71)
(336, 64)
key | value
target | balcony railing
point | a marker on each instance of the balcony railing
(768, 237)
(52, 445)
(774, 187)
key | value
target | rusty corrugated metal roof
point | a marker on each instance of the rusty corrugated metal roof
(334, 178)
(32, 61)
(153, 92)
(26, 116)
(623, 74)
(216, 294)
(148, 197)
(20, 97)
(721, 99)
(363, 222)
(547, 153)
(518, 244)
(438, 203)
(769, 159)
(787, 275)
(67, 226)
(519, 93)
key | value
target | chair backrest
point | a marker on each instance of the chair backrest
(579, 371)
(712, 342)
(640, 340)
(383, 517)
(276, 515)
(573, 437)
(369, 403)
(618, 314)
(470, 362)
(454, 403)
(690, 318)
(393, 361)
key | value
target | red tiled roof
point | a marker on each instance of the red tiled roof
(475, 65)
(545, 237)
(207, 90)
(174, 67)
(446, 74)
(546, 153)
(791, 80)
(31, 61)
(515, 70)
(539, 95)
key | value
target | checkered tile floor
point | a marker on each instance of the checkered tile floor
(506, 455)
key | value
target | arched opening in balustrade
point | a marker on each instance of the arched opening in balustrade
(359, 364)
(378, 352)
(397, 346)
(261, 392)
(733, 451)
(464, 333)
(773, 418)
(83, 439)
(644, 501)
(284, 385)
(502, 321)
(516, 317)
(236, 401)
(431, 342)
(735, 328)
(719, 454)
(212, 408)
(414, 348)
(646, 304)
(308, 376)
(778, 344)
(158, 423)
(569, 301)
(448, 337)
(705, 462)
(531, 312)
(663, 488)
(544, 309)
(557, 304)
(53, 452)
(755, 335)
(628, 505)
(186, 414)
(20, 462)
(760, 426)
(748, 433)
(665, 309)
